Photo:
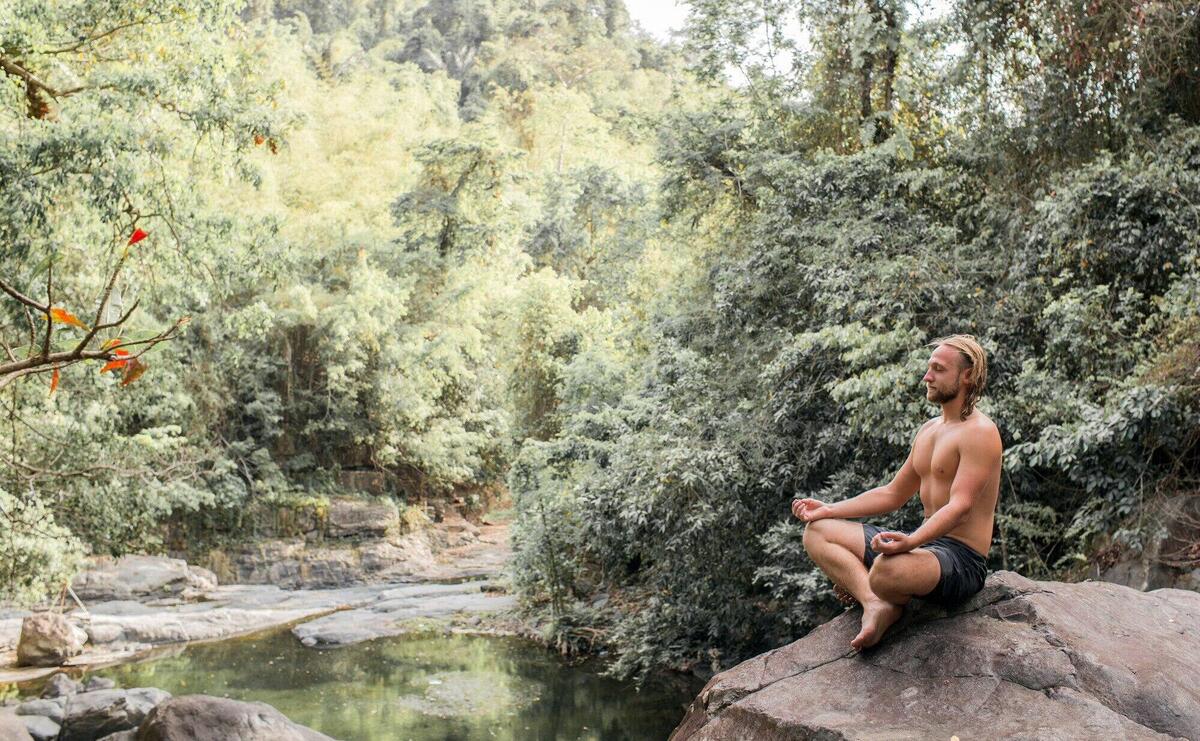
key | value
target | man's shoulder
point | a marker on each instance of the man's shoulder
(981, 431)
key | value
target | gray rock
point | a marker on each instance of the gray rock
(361, 518)
(91, 715)
(48, 639)
(134, 577)
(12, 728)
(52, 708)
(204, 718)
(1035, 660)
(60, 685)
(40, 727)
(98, 683)
(386, 615)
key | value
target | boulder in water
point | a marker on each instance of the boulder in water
(1021, 659)
(205, 718)
(48, 639)
(91, 715)
(60, 685)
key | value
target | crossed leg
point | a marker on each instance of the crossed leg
(837, 546)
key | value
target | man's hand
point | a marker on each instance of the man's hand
(890, 543)
(811, 510)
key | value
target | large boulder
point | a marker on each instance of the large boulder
(365, 518)
(92, 715)
(142, 577)
(12, 727)
(48, 639)
(1034, 660)
(204, 718)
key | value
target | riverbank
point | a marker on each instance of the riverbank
(157, 602)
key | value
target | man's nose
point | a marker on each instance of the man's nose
(927, 378)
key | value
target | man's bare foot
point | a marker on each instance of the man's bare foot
(877, 617)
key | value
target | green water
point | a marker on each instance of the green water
(421, 687)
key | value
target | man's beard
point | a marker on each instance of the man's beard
(937, 396)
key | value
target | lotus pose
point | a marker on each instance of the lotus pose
(955, 465)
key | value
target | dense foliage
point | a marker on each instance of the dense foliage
(493, 244)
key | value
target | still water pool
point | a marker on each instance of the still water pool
(421, 687)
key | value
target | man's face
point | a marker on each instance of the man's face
(943, 375)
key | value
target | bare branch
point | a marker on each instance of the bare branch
(49, 303)
(91, 39)
(22, 297)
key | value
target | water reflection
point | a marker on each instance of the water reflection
(420, 687)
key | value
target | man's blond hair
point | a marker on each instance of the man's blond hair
(973, 357)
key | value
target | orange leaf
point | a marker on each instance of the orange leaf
(133, 371)
(113, 365)
(54, 381)
(111, 343)
(65, 317)
(259, 139)
(120, 351)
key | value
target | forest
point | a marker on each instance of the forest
(522, 253)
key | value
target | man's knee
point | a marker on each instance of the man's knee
(883, 573)
(815, 533)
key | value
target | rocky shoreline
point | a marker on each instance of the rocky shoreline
(137, 604)
(72, 711)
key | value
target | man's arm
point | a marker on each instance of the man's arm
(887, 498)
(979, 459)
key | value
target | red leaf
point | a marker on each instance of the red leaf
(54, 381)
(113, 365)
(120, 351)
(133, 371)
(137, 236)
(65, 317)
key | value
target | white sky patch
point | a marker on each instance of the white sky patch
(659, 17)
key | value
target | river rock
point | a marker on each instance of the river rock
(40, 727)
(91, 715)
(12, 728)
(1035, 660)
(98, 683)
(205, 718)
(349, 517)
(48, 639)
(53, 708)
(60, 685)
(142, 577)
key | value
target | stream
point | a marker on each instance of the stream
(422, 686)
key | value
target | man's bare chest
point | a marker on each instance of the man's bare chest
(936, 455)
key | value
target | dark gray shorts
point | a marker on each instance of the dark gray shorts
(963, 570)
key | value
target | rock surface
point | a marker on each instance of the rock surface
(204, 718)
(12, 727)
(40, 727)
(363, 518)
(92, 715)
(142, 577)
(1022, 659)
(48, 639)
(60, 685)
(385, 615)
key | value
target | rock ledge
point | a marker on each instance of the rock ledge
(1034, 660)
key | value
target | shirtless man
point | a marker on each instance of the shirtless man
(955, 463)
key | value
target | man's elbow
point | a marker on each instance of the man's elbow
(958, 508)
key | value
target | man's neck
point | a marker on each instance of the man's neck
(952, 410)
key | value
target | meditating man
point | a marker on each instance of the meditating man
(955, 464)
